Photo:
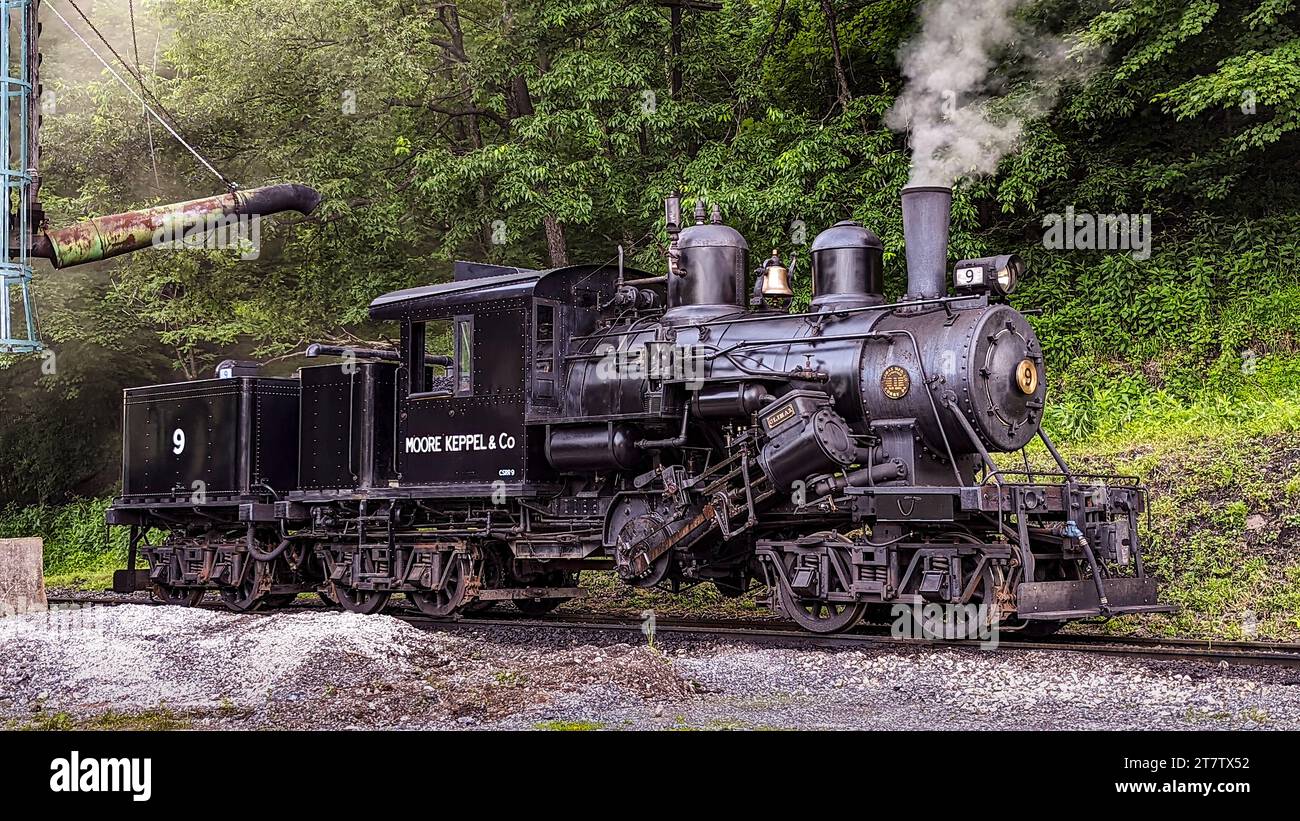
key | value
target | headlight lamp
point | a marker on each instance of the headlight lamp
(1000, 275)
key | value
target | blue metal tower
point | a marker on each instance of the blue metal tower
(19, 90)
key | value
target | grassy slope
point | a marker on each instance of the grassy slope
(1224, 526)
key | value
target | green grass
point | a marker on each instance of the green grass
(80, 550)
(568, 726)
(160, 718)
(1223, 527)
(88, 579)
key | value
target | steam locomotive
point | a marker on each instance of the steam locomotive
(677, 428)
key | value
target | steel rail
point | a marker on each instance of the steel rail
(777, 630)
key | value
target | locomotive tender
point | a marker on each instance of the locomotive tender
(675, 428)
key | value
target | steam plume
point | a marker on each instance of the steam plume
(962, 120)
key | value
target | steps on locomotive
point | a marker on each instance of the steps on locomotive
(209, 441)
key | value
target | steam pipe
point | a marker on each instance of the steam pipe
(675, 442)
(104, 237)
(316, 349)
(886, 471)
(251, 545)
(926, 214)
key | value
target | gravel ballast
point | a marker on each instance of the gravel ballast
(146, 666)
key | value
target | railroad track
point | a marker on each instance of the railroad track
(781, 632)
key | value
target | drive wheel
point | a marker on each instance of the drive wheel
(365, 602)
(178, 596)
(245, 598)
(819, 615)
(448, 598)
(958, 625)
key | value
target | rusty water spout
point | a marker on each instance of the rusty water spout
(103, 237)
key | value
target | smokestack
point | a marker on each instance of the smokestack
(105, 237)
(926, 211)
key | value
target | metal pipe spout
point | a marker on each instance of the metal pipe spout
(926, 214)
(104, 237)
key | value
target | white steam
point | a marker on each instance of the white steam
(954, 103)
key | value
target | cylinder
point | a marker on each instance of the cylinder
(729, 401)
(593, 447)
(847, 263)
(926, 214)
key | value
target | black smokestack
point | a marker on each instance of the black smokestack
(926, 211)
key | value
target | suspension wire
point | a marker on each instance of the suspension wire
(229, 184)
(125, 65)
(148, 124)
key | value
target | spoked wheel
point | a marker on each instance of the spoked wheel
(365, 602)
(179, 596)
(820, 615)
(976, 621)
(445, 600)
(247, 596)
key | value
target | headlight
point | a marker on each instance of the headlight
(1000, 274)
(1009, 269)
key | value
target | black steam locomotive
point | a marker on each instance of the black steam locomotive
(676, 428)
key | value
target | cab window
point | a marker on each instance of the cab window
(430, 339)
(544, 338)
(464, 355)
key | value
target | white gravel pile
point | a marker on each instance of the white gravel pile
(328, 669)
(304, 669)
(195, 658)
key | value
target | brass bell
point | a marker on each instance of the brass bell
(776, 278)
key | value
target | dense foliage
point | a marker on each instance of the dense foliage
(539, 131)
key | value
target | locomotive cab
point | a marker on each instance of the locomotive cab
(481, 427)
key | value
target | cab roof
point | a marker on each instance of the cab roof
(555, 283)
